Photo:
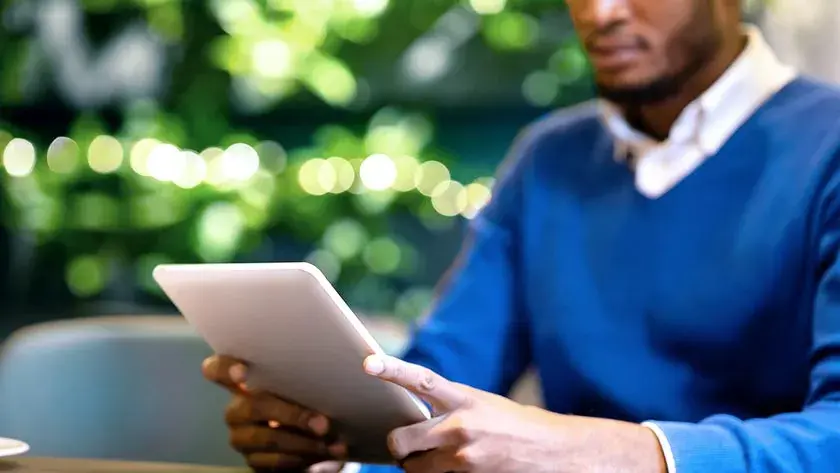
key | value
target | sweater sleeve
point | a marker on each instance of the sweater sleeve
(798, 442)
(476, 332)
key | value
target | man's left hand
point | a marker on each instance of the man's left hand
(476, 432)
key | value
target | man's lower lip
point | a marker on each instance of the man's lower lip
(614, 59)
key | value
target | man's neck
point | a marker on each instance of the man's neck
(657, 119)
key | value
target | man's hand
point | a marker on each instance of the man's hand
(271, 433)
(479, 432)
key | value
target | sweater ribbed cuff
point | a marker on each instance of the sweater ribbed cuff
(700, 448)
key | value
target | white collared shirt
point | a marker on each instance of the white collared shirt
(705, 124)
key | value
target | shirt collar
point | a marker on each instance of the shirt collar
(711, 119)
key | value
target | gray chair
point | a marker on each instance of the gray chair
(127, 388)
(116, 388)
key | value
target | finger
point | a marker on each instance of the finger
(226, 371)
(418, 438)
(256, 438)
(435, 461)
(427, 384)
(263, 407)
(275, 461)
(326, 467)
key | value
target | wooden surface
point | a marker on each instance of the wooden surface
(60, 465)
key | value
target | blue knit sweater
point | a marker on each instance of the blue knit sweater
(713, 310)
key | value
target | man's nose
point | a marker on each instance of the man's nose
(602, 13)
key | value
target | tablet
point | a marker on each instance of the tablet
(301, 342)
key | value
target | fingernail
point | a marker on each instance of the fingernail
(338, 450)
(319, 425)
(238, 373)
(374, 365)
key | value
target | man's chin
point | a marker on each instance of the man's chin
(643, 93)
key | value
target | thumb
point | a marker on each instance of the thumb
(443, 394)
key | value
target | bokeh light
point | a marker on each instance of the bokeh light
(19, 157)
(272, 58)
(239, 162)
(259, 193)
(140, 153)
(317, 177)
(345, 238)
(192, 171)
(378, 172)
(219, 230)
(541, 88)
(345, 175)
(477, 197)
(370, 8)
(86, 275)
(215, 170)
(510, 30)
(272, 156)
(105, 154)
(430, 175)
(382, 255)
(449, 198)
(63, 155)
(488, 7)
(165, 162)
(407, 168)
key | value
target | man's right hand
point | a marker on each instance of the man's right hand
(270, 432)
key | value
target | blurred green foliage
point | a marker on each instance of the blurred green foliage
(172, 178)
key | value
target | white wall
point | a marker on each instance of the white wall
(806, 34)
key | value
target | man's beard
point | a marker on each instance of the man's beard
(648, 93)
(700, 49)
(662, 88)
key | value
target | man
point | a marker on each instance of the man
(667, 258)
